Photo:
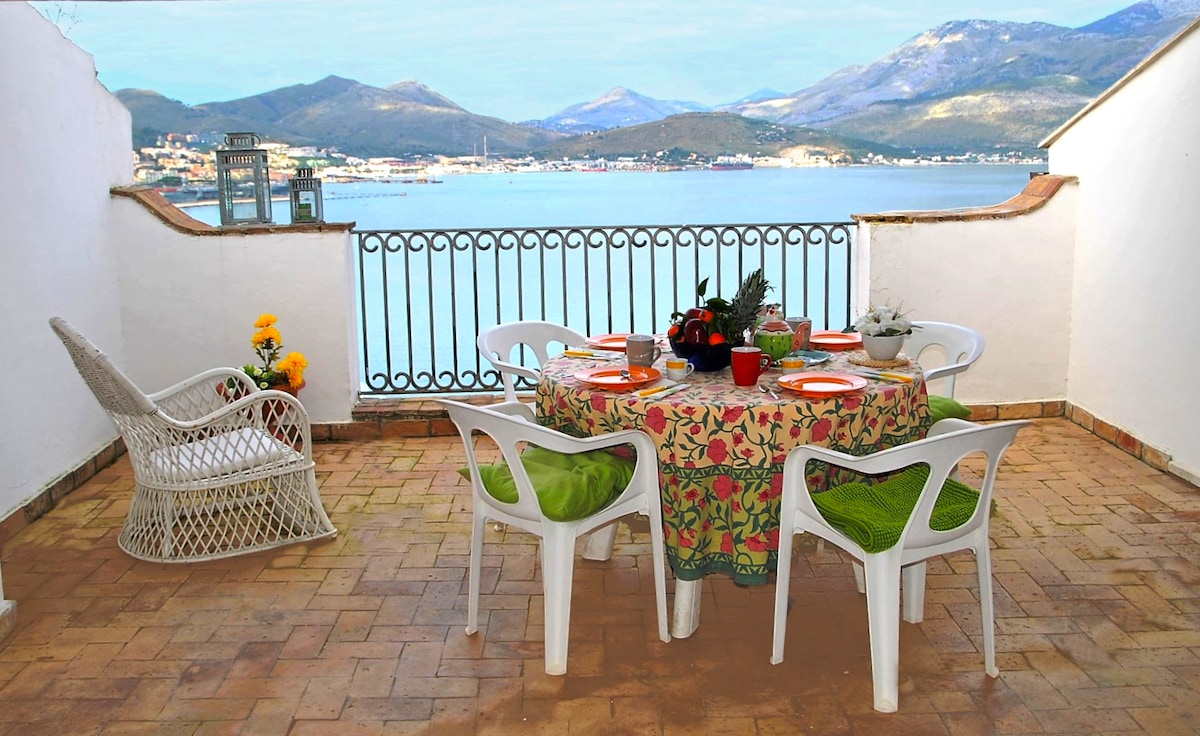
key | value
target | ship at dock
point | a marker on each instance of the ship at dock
(732, 163)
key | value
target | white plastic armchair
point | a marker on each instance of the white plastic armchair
(948, 442)
(497, 344)
(960, 345)
(511, 426)
(220, 467)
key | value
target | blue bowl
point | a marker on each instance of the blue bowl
(706, 358)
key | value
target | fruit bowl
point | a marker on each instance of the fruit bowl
(706, 358)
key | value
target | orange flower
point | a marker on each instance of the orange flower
(267, 333)
(293, 365)
(265, 320)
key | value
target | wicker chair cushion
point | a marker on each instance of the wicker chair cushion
(568, 486)
(874, 516)
(229, 452)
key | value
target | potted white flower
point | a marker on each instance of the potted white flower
(883, 330)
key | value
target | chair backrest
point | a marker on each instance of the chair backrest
(112, 388)
(960, 345)
(948, 443)
(498, 343)
(511, 426)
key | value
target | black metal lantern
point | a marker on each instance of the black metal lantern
(305, 194)
(243, 184)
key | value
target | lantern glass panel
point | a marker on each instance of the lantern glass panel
(243, 184)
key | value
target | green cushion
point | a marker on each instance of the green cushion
(568, 486)
(874, 516)
(944, 407)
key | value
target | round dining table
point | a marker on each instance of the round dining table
(721, 450)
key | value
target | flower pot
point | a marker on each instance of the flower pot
(883, 348)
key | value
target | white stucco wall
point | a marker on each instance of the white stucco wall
(1135, 347)
(164, 305)
(1009, 278)
(188, 303)
(64, 141)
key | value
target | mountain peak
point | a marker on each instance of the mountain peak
(410, 90)
(1143, 14)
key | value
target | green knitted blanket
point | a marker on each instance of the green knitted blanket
(874, 516)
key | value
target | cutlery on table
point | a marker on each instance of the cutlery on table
(766, 390)
(594, 354)
(883, 376)
(659, 392)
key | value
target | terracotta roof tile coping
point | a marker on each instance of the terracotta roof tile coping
(1035, 195)
(179, 220)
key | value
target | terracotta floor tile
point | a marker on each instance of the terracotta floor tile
(1097, 599)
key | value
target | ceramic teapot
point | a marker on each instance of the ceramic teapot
(773, 336)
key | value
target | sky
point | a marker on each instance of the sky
(513, 60)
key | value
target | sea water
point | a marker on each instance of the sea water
(413, 346)
(562, 199)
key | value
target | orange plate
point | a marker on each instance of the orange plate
(819, 383)
(610, 377)
(608, 342)
(834, 340)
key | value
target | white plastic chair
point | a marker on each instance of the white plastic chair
(221, 468)
(948, 442)
(511, 426)
(960, 345)
(498, 342)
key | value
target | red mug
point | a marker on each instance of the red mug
(748, 364)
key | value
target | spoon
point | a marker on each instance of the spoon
(626, 375)
(766, 390)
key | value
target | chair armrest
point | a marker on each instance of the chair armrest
(515, 409)
(521, 370)
(209, 378)
(949, 425)
(202, 394)
(946, 370)
(275, 412)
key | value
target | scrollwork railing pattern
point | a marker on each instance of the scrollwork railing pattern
(425, 294)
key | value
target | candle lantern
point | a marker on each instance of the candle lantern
(305, 193)
(243, 183)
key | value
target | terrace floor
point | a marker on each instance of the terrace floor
(1097, 562)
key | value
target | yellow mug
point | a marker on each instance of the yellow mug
(792, 365)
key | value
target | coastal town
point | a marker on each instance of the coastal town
(182, 166)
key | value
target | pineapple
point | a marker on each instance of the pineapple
(743, 309)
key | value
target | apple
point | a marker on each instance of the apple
(695, 332)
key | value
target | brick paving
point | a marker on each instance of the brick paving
(1098, 605)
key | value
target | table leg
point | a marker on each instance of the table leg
(687, 608)
(599, 545)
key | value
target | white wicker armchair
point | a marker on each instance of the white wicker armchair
(219, 471)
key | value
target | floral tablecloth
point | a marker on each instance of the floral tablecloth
(722, 447)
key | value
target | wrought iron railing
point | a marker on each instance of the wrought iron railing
(425, 294)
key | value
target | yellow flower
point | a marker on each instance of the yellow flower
(268, 344)
(266, 333)
(293, 364)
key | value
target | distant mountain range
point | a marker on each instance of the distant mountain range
(683, 138)
(403, 119)
(971, 85)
